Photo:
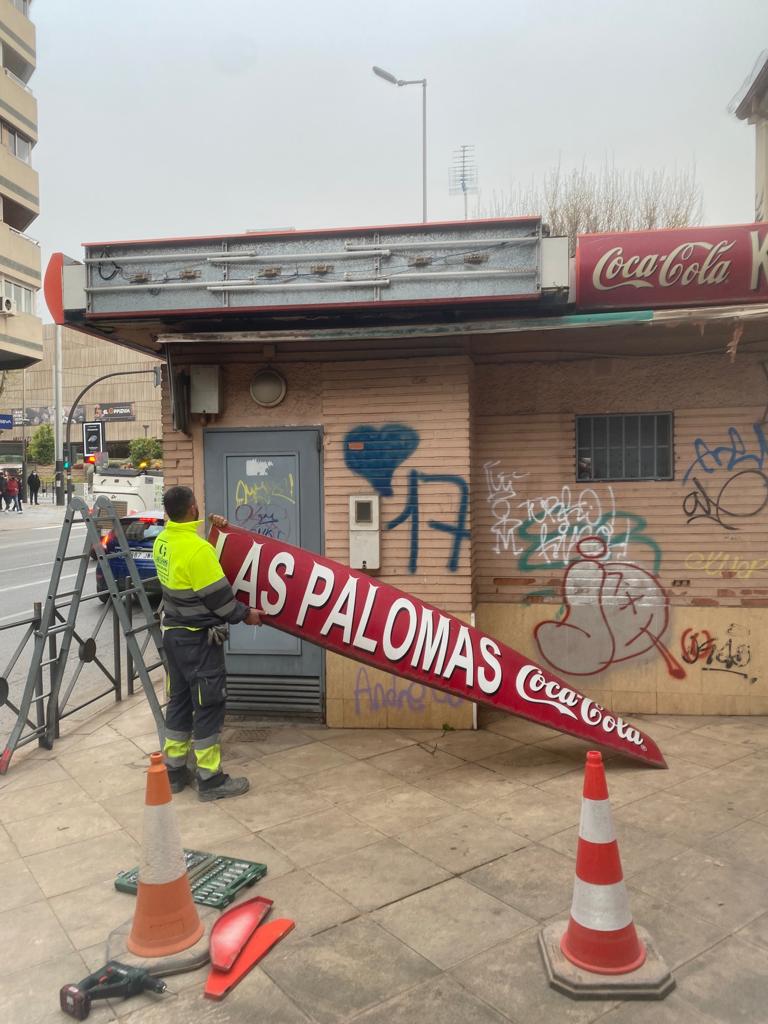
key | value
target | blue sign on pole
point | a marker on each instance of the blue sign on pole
(6, 421)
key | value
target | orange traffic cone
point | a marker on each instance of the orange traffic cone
(165, 920)
(598, 953)
(601, 935)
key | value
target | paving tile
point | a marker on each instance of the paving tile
(273, 805)
(734, 789)
(351, 783)
(531, 813)
(665, 814)
(680, 935)
(575, 749)
(80, 864)
(440, 999)
(253, 848)
(202, 826)
(306, 760)
(672, 1010)
(705, 887)
(106, 782)
(638, 848)
(529, 764)
(60, 828)
(121, 752)
(727, 983)
(461, 841)
(711, 753)
(26, 773)
(318, 837)
(756, 931)
(748, 731)
(511, 978)
(745, 846)
(364, 743)
(302, 898)
(536, 881)
(415, 762)
(19, 886)
(15, 805)
(271, 740)
(520, 729)
(255, 998)
(346, 970)
(378, 874)
(36, 937)
(89, 914)
(7, 850)
(469, 784)
(474, 745)
(31, 995)
(400, 808)
(623, 789)
(451, 922)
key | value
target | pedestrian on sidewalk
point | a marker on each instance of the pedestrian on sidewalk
(33, 483)
(4, 500)
(198, 605)
(14, 495)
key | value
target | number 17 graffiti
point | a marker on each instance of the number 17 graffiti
(374, 453)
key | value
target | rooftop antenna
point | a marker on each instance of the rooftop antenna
(462, 177)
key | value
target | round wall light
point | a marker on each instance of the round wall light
(268, 388)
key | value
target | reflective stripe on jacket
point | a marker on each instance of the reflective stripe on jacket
(196, 593)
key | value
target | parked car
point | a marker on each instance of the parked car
(140, 528)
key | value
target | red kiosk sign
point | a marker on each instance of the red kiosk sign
(363, 618)
(717, 266)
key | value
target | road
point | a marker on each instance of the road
(28, 546)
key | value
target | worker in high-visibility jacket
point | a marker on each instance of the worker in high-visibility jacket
(198, 604)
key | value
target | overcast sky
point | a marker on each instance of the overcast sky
(184, 117)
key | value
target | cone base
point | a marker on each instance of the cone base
(162, 966)
(650, 981)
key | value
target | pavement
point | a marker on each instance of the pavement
(419, 868)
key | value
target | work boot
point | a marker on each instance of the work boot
(180, 778)
(227, 787)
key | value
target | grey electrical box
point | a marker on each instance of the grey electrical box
(364, 548)
(205, 390)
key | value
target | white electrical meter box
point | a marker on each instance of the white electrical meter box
(364, 531)
(205, 390)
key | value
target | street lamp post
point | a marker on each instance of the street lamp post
(394, 80)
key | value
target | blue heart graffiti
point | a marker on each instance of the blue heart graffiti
(374, 453)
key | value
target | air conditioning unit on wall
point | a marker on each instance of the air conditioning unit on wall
(9, 307)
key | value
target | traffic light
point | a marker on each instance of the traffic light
(66, 463)
(91, 459)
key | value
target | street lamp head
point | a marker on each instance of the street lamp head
(386, 75)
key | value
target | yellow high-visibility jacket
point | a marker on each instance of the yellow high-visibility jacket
(196, 593)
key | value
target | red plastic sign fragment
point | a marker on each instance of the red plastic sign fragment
(259, 944)
(233, 929)
(348, 612)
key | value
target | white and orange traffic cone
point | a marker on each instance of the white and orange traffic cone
(600, 937)
(165, 920)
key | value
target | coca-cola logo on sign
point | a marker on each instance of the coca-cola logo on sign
(690, 263)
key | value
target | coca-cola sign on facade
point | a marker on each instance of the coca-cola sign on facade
(713, 266)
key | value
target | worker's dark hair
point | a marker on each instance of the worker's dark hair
(177, 501)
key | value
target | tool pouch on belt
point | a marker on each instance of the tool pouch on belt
(211, 688)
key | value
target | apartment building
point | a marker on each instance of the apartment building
(21, 342)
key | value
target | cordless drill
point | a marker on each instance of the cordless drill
(114, 980)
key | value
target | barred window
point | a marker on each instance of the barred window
(627, 447)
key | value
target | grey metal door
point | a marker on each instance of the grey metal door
(268, 481)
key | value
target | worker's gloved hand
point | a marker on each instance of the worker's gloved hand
(253, 618)
(220, 522)
(217, 635)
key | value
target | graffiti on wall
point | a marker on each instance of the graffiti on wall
(729, 479)
(614, 612)
(375, 453)
(546, 530)
(373, 694)
(263, 505)
(732, 654)
(724, 564)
